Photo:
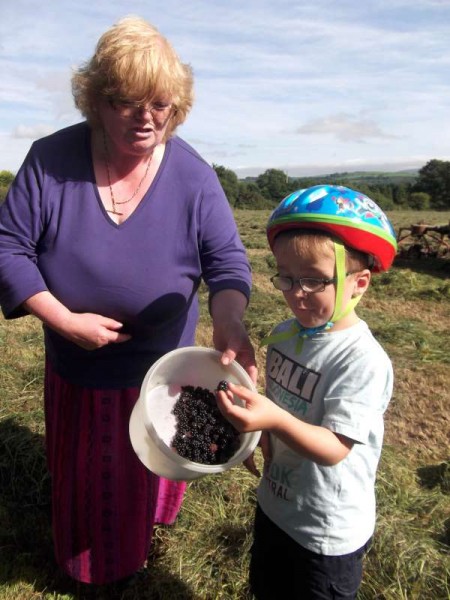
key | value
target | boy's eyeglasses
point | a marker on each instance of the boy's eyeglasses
(128, 107)
(309, 285)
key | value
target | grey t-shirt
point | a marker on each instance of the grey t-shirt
(343, 381)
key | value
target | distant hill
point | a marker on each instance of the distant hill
(406, 176)
(367, 177)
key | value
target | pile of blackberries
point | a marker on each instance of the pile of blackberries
(202, 434)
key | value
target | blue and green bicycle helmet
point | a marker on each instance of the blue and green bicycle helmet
(349, 215)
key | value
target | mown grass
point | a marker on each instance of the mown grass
(205, 554)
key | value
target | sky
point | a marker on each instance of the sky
(309, 87)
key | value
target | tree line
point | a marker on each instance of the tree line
(429, 189)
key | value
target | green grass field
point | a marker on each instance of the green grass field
(204, 555)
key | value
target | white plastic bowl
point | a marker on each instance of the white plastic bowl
(152, 424)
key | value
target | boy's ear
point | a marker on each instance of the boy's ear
(361, 282)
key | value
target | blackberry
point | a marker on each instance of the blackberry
(202, 434)
(222, 386)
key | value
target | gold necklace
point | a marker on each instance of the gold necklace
(115, 202)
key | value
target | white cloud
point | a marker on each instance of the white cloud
(33, 133)
(345, 127)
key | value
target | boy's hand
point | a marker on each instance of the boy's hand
(250, 465)
(264, 444)
(259, 412)
(313, 442)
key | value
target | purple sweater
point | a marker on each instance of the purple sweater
(56, 235)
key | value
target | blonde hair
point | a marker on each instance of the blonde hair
(312, 243)
(134, 61)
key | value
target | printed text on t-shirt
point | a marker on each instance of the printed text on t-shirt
(293, 378)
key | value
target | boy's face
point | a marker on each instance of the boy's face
(312, 309)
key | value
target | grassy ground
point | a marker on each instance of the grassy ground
(204, 556)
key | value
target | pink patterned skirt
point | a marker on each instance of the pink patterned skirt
(105, 502)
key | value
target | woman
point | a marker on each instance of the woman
(105, 235)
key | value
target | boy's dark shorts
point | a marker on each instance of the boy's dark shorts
(281, 568)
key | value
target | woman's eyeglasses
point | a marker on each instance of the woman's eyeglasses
(127, 108)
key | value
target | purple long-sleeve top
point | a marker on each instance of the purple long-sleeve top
(56, 235)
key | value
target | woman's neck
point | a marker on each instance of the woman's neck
(123, 163)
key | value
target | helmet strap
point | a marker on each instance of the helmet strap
(339, 311)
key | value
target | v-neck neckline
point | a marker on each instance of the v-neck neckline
(145, 197)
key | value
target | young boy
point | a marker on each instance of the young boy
(328, 383)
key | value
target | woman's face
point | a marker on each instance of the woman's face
(310, 309)
(134, 129)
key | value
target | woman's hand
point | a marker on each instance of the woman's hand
(91, 331)
(229, 333)
(232, 339)
(88, 330)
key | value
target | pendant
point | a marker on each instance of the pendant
(114, 212)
